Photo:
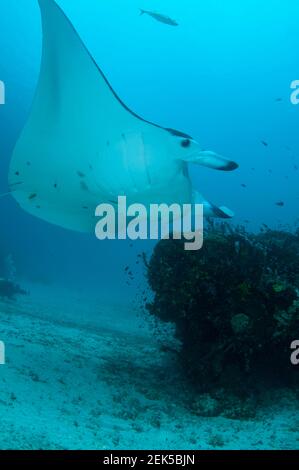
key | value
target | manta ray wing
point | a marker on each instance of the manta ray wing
(75, 115)
(83, 146)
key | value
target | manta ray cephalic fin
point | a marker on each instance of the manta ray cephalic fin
(210, 209)
(212, 160)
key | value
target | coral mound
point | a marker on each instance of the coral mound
(234, 303)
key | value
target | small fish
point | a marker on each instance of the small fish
(279, 203)
(157, 16)
(244, 185)
(278, 100)
(265, 144)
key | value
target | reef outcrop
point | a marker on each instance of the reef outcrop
(234, 304)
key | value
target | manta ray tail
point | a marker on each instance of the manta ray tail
(210, 209)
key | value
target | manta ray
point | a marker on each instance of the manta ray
(82, 146)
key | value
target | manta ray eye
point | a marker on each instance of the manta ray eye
(186, 143)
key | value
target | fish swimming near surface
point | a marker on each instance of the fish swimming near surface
(86, 147)
(157, 16)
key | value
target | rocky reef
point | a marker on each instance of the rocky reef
(234, 304)
(8, 289)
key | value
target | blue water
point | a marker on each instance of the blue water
(217, 76)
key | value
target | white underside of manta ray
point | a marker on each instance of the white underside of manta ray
(82, 146)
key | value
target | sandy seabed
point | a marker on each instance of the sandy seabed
(91, 375)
